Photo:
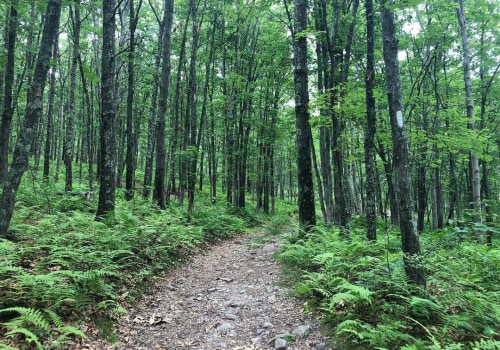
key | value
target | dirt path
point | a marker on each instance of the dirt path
(228, 297)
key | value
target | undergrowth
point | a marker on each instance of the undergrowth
(65, 269)
(361, 291)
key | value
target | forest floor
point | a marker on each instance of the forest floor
(230, 296)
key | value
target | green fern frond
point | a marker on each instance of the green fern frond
(71, 330)
(55, 318)
(29, 336)
(486, 344)
(26, 315)
(357, 328)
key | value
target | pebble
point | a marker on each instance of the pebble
(301, 331)
(229, 316)
(225, 327)
(280, 343)
(320, 346)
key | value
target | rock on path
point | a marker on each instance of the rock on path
(228, 297)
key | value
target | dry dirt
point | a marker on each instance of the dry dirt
(228, 297)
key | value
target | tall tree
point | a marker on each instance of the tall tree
(32, 115)
(371, 219)
(469, 104)
(409, 237)
(131, 138)
(159, 179)
(70, 122)
(307, 214)
(7, 110)
(107, 131)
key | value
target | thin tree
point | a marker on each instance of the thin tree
(307, 213)
(409, 237)
(371, 219)
(70, 122)
(159, 179)
(469, 104)
(107, 159)
(32, 116)
(131, 138)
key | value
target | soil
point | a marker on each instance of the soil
(228, 297)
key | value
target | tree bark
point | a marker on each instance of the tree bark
(159, 180)
(50, 118)
(32, 116)
(369, 145)
(148, 168)
(131, 137)
(70, 122)
(409, 237)
(107, 172)
(469, 103)
(307, 214)
(8, 84)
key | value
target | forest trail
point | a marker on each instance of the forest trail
(227, 297)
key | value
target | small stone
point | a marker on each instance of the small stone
(301, 331)
(211, 290)
(225, 328)
(226, 279)
(271, 299)
(229, 316)
(268, 325)
(280, 343)
(320, 346)
(256, 340)
(236, 303)
(171, 288)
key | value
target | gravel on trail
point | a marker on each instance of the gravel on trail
(227, 297)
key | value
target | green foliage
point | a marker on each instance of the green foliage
(361, 289)
(34, 324)
(66, 267)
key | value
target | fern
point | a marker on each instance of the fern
(29, 336)
(357, 328)
(27, 316)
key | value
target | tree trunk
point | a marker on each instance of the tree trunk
(148, 168)
(193, 115)
(369, 145)
(32, 116)
(8, 111)
(409, 237)
(307, 214)
(469, 103)
(50, 117)
(159, 181)
(70, 122)
(107, 172)
(131, 137)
